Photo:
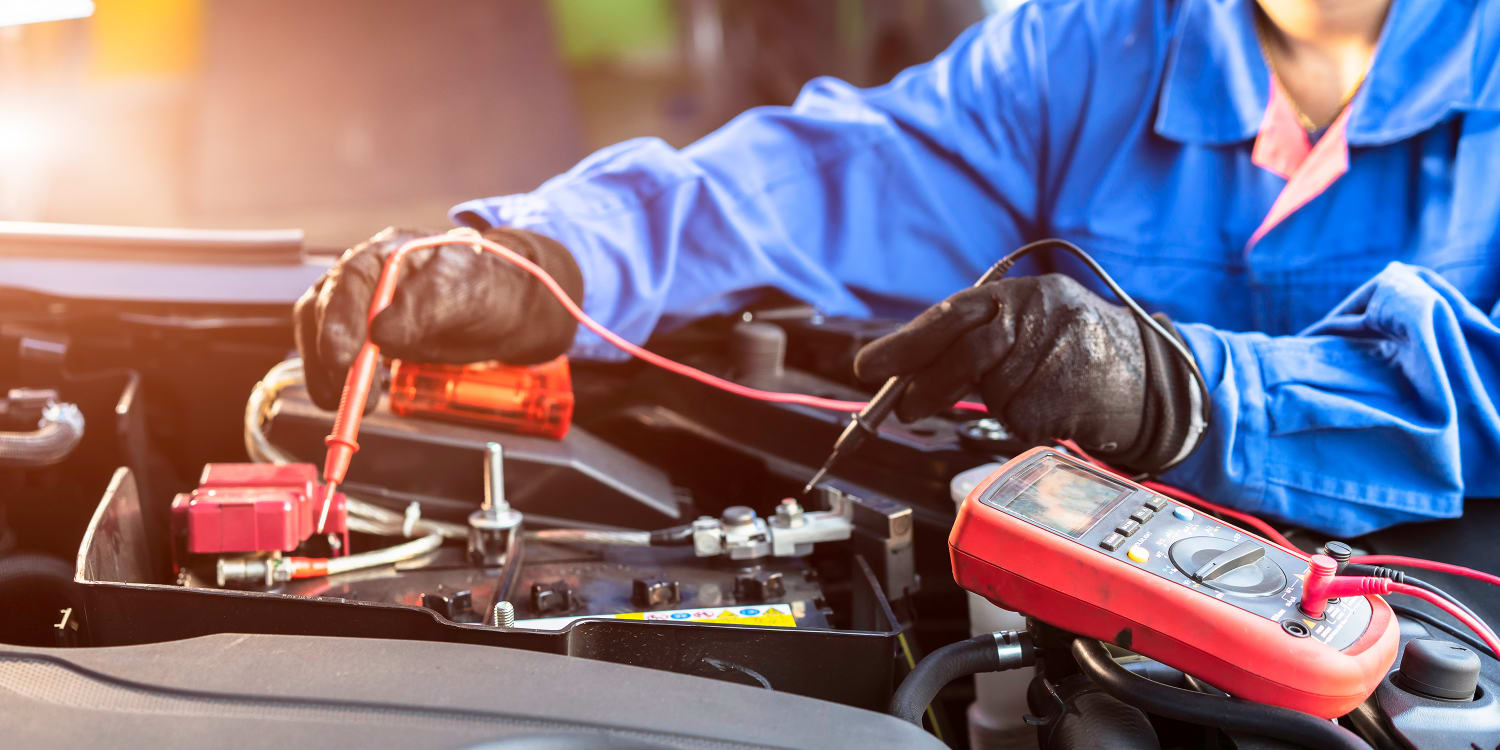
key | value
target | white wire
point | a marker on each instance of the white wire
(385, 555)
(589, 536)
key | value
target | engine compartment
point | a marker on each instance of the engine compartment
(657, 532)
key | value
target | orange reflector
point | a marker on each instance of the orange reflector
(534, 400)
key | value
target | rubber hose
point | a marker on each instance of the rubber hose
(1101, 720)
(978, 654)
(58, 433)
(1157, 672)
(1200, 708)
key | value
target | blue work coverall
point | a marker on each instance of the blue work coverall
(1340, 296)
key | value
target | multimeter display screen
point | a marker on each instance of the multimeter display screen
(1066, 499)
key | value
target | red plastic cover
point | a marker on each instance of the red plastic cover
(254, 508)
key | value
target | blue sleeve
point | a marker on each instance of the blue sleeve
(1383, 412)
(860, 201)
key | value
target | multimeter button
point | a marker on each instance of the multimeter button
(1155, 503)
(1141, 515)
(1112, 542)
(1138, 553)
(1127, 528)
(1185, 514)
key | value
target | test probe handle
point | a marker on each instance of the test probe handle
(875, 412)
(342, 442)
(884, 401)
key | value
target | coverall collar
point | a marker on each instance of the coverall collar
(1216, 85)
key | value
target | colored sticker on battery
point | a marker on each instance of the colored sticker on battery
(773, 615)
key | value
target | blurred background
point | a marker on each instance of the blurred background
(342, 116)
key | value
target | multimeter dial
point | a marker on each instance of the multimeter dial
(1240, 569)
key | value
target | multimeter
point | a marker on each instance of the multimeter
(1088, 552)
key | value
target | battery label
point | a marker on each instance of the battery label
(774, 615)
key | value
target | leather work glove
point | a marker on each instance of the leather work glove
(453, 305)
(1052, 361)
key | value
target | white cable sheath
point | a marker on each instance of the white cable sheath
(385, 555)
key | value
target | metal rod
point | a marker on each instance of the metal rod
(494, 477)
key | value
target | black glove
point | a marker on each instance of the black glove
(452, 305)
(1052, 361)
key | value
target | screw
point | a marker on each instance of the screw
(504, 615)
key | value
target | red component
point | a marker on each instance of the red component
(536, 400)
(1323, 583)
(308, 567)
(254, 508)
(1024, 567)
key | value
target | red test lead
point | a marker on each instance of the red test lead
(342, 442)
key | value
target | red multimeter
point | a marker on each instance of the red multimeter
(1085, 551)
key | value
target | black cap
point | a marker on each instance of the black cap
(759, 349)
(1439, 669)
(1340, 553)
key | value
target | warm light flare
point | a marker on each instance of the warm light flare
(17, 12)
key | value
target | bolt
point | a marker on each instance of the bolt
(789, 513)
(504, 615)
(494, 479)
(489, 525)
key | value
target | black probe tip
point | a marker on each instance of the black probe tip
(818, 477)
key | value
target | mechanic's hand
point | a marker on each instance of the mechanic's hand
(452, 305)
(1052, 361)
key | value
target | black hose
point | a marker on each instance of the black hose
(991, 652)
(1099, 720)
(1229, 714)
(1158, 672)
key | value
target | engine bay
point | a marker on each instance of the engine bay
(161, 491)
